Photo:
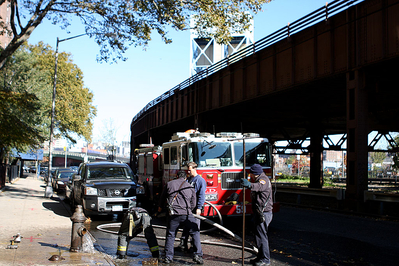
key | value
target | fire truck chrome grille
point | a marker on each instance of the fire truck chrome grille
(231, 180)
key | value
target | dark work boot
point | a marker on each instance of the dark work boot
(198, 259)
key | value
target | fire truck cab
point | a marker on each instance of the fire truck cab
(220, 159)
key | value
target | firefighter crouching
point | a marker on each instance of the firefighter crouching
(134, 222)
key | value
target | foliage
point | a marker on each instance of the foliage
(118, 24)
(289, 178)
(21, 113)
(395, 158)
(108, 137)
(73, 108)
(26, 86)
(378, 157)
(291, 159)
(108, 134)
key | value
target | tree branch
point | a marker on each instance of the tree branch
(12, 21)
(19, 39)
(17, 14)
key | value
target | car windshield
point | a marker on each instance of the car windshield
(65, 174)
(109, 172)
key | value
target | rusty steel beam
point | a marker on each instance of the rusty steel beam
(338, 72)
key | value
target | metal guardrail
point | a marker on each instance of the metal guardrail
(377, 196)
(321, 14)
(339, 194)
(383, 180)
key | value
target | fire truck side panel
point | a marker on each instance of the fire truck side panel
(149, 173)
(231, 210)
(171, 162)
(149, 170)
(220, 164)
(141, 164)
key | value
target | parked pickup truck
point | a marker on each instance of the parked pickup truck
(105, 188)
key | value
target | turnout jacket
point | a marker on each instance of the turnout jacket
(185, 200)
(261, 189)
(135, 221)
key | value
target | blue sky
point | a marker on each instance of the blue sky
(121, 90)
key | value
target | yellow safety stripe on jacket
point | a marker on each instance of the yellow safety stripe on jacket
(121, 248)
(131, 225)
(156, 248)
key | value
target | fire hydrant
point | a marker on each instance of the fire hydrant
(78, 229)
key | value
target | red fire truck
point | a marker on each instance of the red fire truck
(220, 162)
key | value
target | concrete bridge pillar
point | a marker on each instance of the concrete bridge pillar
(357, 142)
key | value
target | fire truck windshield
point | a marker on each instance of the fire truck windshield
(216, 154)
(256, 152)
(220, 154)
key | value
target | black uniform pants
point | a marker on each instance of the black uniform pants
(176, 221)
(261, 239)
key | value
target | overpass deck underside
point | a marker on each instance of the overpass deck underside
(295, 85)
(338, 76)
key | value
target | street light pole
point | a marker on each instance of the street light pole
(49, 188)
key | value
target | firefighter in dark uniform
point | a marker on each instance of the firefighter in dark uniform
(262, 206)
(179, 198)
(135, 221)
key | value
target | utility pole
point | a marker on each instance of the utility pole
(49, 189)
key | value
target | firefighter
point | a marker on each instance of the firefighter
(199, 185)
(134, 222)
(262, 206)
(179, 198)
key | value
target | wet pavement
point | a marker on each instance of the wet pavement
(297, 236)
(43, 223)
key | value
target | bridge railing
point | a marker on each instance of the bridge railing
(321, 14)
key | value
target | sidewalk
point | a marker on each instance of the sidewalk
(44, 224)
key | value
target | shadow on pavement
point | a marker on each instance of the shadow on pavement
(58, 207)
(55, 246)
(15, 192)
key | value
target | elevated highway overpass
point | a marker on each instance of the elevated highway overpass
(75, 158)
(333, 71)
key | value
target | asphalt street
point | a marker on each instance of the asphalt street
(297, 237)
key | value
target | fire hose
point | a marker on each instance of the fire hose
(216, 226)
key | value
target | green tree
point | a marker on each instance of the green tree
(21, 114)
(73, 108)
(395, 157)
(118, 24)
(108, 135)
(377, 158)
(291, 159)
(26, 85)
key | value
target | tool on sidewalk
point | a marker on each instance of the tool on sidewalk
(12, 245)
(17, 238)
